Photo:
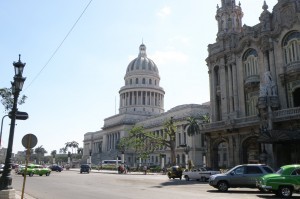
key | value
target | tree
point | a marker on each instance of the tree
(71, 145)
(143, 143)
(63, 150)
(53, 153)
(8, 98)
(40, 152)
(193, 129)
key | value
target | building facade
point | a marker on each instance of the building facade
(254, 74)
(142, 103)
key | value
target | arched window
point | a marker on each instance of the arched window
(136, 81)
(144, 81)
(150, 81)
(291, 47)
(130, 81)
(250, 63)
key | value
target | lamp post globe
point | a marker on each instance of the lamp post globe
(17, 85)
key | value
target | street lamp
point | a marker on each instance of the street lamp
(17, 85)
(186, 150)
(1, 129)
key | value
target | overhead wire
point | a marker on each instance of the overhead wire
(58, 47)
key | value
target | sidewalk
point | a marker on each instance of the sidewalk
(19, 195)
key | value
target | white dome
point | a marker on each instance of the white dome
(142, 64)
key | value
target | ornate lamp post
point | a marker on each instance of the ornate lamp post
(90, 159)
(17, 85)
(1, 129)
(186, 150)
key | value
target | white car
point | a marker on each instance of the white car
(199, 174)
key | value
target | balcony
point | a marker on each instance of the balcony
(278, 116)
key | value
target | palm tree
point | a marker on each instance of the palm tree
(40, 152)
(71, 145)
(53, 153)
(193, 129)
(74, 145)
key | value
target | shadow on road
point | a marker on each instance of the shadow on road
(175, 182)
(274, 196)
(257, 193)
(234, 191)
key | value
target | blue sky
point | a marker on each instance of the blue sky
(78, 88)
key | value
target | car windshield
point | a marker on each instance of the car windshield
(268, 169)
(279, 171)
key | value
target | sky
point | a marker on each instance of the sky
(77, 51)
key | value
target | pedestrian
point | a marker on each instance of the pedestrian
(145, 170)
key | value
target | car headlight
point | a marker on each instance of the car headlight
(212, 177)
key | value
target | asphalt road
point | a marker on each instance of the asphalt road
(101, 185)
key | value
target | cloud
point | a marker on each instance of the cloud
(164, 12)
(163, 57)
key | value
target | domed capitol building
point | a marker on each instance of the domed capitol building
(254, 78)
(142, 104)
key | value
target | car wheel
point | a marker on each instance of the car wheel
(187, 178)
(203, 179)
(40, 174)
(30, 174)
(47, 174)
(222, 186)
(285, 192)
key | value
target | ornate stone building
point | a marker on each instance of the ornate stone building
(142, 103)
(254, 75)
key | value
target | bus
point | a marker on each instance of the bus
(110, 162)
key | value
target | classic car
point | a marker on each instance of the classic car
(35, 169)
(175, 172)
(199, 174)
(284, 182)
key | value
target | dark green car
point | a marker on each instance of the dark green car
(175, 172)
(284, 182)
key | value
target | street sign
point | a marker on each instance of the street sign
(19, 115)
(29, 141)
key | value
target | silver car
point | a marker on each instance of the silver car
(240, 176)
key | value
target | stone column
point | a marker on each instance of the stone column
(230, 88)
(223, 84)
(235, 87)
(213, 91)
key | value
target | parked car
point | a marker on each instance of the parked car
(199, 174)
(19, 169)
(175, 172)
(56, 168)
(35, 169)
(85, 168)
(1, 168)
(284, 182)
(244, 176)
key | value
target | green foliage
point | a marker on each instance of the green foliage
(193, 127)
(63, 150)
(53, 153)
(72, 145)
(8, 98)
(144, 143)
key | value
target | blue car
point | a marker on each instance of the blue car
(56, 168)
